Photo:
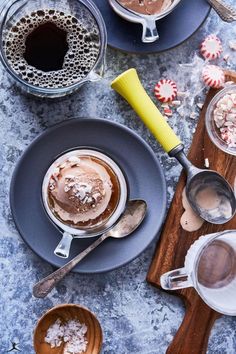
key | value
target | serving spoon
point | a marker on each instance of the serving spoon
(133, 216)
(199, 181)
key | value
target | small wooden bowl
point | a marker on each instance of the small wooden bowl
(67, 312)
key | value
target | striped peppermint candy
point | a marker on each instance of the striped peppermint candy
(211, 47)
(165, 90)
(213, 76)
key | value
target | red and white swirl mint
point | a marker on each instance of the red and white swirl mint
(213, 76)
(165, 90)
(211, 47)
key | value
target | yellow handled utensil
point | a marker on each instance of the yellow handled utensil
(129, 86)
(199, 181)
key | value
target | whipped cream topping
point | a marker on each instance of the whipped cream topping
(225, 118)
(80, 189)
(146, 7)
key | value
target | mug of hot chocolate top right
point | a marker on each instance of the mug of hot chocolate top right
(50, 48)
(210, 267)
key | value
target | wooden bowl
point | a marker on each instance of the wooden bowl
(67, 312)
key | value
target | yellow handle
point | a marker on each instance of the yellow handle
(129, 86)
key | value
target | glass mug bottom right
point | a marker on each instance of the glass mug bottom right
(210, 267)
(216, 273)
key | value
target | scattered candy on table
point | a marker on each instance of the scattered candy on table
(211, 47)
(226, 58)
(213, 76)
(165, 90)
(168, 112)
(176, 103)
(206, 162)
(200, 105)
(232, 45)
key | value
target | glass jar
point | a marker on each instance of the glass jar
(212, 129)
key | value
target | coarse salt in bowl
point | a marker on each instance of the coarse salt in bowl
(68, 328)
(220, 120)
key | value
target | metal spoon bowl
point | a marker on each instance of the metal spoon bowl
(200, 180)
(128, 223)
(212, 180)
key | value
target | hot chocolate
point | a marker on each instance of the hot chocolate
(217, 265)
(146, 7)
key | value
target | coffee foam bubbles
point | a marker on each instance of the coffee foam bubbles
(83, 52)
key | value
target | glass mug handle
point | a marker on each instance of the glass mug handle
(150, 33)
(63, 248)
(176, 279)
(98, 73)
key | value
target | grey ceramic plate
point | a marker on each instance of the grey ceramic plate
(174, 29)
(144, 174)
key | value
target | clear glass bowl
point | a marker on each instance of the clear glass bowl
(97, 229)
(84, 10)
(212, 130)
(69, 230)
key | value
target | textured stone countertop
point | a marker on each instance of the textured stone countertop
(136, 318)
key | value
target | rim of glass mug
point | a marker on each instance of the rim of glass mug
(189, 271)
(93, 75)
(68, 232)
(124, 193)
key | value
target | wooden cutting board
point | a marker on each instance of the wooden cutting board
(193, 334)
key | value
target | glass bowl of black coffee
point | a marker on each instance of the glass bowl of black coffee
(52, 47)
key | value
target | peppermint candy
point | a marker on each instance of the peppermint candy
(211, 47)
(213, 76)
(165, 90)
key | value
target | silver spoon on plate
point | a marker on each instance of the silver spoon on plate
(133, 216)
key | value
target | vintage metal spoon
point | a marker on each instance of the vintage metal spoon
(199, 181)
(226, 12)
(130, 220)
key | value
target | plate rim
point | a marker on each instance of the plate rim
(47, 132)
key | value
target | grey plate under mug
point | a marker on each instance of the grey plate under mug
(173, 29)
(138, 161)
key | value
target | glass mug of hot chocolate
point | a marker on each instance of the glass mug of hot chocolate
(52, 47)
(210, 267)
(84, 193)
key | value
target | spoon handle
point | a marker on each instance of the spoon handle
(44, 286)
(129, 86)
(226, 12)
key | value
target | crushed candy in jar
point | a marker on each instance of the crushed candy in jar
(225, 118)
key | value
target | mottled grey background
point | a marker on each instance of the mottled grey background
(136, 318)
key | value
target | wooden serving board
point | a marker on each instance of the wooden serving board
(193, 334)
